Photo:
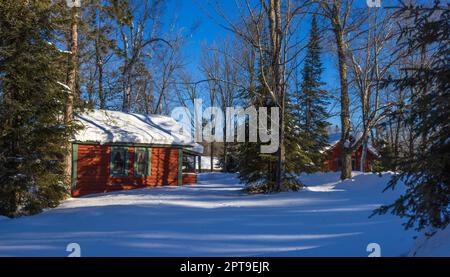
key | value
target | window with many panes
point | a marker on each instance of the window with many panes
(119, 161)
(188, 163)
(142, 161)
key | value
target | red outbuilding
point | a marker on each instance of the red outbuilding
(334, 150)
(118, 151)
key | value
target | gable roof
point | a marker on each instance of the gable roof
(105, 126)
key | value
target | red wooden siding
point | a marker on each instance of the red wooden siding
(334, 154)
(189, 178)
(93, 172)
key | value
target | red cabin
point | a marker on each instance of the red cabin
(118, 151)
(333, 154)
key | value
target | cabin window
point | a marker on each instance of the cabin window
(119, 161)
(188, 163)
(142, 161)
(353, 164)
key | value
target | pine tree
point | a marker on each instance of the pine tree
(257, 170)
(307, 112)
(32, 134)
(254, 167)
(305, 129)
(426, 172)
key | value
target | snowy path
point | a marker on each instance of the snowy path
(214, 218)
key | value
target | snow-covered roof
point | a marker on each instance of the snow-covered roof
(334, 139)
(372, 149)
(104, 126)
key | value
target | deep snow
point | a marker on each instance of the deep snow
(214, 218)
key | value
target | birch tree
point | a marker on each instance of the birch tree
(370, 61)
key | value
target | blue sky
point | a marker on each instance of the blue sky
(199, 13)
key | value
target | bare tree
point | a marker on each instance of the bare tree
(137, 26)
(95, 50)
(168, 62)
(211, 69)
(224, 73)
(369, 65)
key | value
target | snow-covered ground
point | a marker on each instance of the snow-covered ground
(437, 245)
(214, 218)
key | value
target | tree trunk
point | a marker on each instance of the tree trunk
(158, 108)
(147, 104)
(211, 145)
(346, 165)
(276, 35)
(346, 171)
(127, 96)
(362, 167)
(126, 72)
(146, 98)
(71, 83)
(281, 156)
(100, 87)
(225, 151)
(99, 64)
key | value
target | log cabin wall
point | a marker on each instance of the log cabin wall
(189, 178)
(93, 175)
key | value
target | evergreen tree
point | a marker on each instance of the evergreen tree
(307, 112)
(255, 168)
(426, 172)
(305, 129)
(32, 134)
(387, 158)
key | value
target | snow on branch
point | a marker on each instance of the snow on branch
(66, 87)
(59, 50)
